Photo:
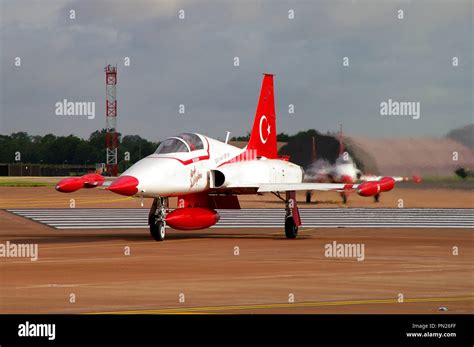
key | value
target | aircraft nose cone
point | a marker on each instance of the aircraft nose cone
(124, 185)
(346, 179)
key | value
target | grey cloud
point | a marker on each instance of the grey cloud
(190, 62)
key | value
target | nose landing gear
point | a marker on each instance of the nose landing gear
(157, 218)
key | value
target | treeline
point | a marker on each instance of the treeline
(52, 149)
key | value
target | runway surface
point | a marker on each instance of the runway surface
(126, 271)
(132, 218)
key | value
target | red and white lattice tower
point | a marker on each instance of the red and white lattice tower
(111, 137)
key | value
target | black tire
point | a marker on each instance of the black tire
(308, 197)
(376, 197)
(158, 231)
(291, 230)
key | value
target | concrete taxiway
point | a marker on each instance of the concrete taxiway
(232, 270)
(235, 270)
(130, 218)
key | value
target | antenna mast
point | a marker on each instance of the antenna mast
(111, 137)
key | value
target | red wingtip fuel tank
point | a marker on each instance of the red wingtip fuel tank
(386, 184)
(69, 185)
(368, 189)
(372, 188)
(192, 218)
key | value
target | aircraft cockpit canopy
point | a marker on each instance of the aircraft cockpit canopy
(186, 142)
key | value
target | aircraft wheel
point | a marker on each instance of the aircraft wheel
(158, 230)
(291, 230)
(377, 197)
(308, 197)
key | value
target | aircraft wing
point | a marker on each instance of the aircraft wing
(106, 184)
(285, 187)
(370, 178)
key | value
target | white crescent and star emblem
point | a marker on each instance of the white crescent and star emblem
(268, 129)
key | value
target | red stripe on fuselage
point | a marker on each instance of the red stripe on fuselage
(246, 155)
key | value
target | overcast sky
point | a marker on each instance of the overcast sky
(190, 61)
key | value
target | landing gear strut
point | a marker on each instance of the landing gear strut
(291, 228)
(157, 218)
(292, 215)
(377, 197)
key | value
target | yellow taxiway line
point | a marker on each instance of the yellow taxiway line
(206, 309)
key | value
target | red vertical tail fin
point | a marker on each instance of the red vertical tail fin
(263, 136)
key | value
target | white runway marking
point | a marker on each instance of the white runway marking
(121, 218)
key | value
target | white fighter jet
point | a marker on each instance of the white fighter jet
(206, 174)
(344, 170)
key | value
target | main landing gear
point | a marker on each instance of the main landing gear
(157, 218)
(292, 217)
(291, 227)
